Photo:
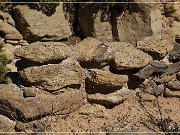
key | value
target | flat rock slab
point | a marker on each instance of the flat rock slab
(155, 46)
(92, 53)
(54, 76)
(43, 52)
(101, 81)
(109, 99)
(35, 25)
(12, 103)
(126, 56)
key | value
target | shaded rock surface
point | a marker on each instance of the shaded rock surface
(55, 76)
(155, 46)
(126, 56)
(174, 85)
(43, 52)
(14, 105)
(34, 29)
(99, 25)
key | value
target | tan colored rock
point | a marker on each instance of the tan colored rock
(9, 31)
(171, 94)
(109, 99)
(55, 76)
(95, 21)
(7, 18)
(35, 25)
(176, 13)
(9, 50)
(126, 56)
(157, 47)
(174, 85)
(107, 79)
(6, 125)
(175, 26)
(92, 53)
(12, 103)
(43, 52)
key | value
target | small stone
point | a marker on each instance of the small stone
(174, 85)
(168, 93)
(29, 92)
(14, 42)
(174, 55)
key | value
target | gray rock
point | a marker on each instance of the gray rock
(174, 85)
(127, 57)
(14, 105)
(36, 26)
(173, 68)
(178, 76)
(54, 77)
(171, 94)
(43, 52)
(155, 46)
(105, 81)
(174, 55)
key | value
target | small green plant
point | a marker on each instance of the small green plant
(3, 63)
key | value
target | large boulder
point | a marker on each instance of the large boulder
(95, 21)
(155, 46)
(14, 105)
(35, 25)
(105, 81)
(43, 52)
(54, 76)
(92, 53)
(126, 56)
(138, 20)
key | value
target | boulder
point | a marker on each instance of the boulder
(155, 46)
(105, 81)
(109, 99)
(9, 50)
(127, 57)
(95, 21)
(136, 21)
(54, 77)
(9, 32)
(92, 53)
(35, 25)
(43, 52)
(14, 105)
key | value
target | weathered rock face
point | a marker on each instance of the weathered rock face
(95, 21)
(35, 25)
(105, 81)
(126, 56)
(55, 76)
(92, 53)
(132, 24)
(174, 85)
(9, 32)
(8, 50)
(43, 52)
(157, 47)
(12, 103)
(7, 18)
(6, 125)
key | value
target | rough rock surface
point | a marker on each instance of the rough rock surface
(126, 56)
(99, 25)
(109, 99)
(43, 52)
(35, 25)
(155, 46)
(105, 81)
(12, 103)
(55, 76)
(6, 125)
(174, 85)
(9, 32)
(178, 76)
(174, 55)
(127, 30)
(9, 50)
(92, 53)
